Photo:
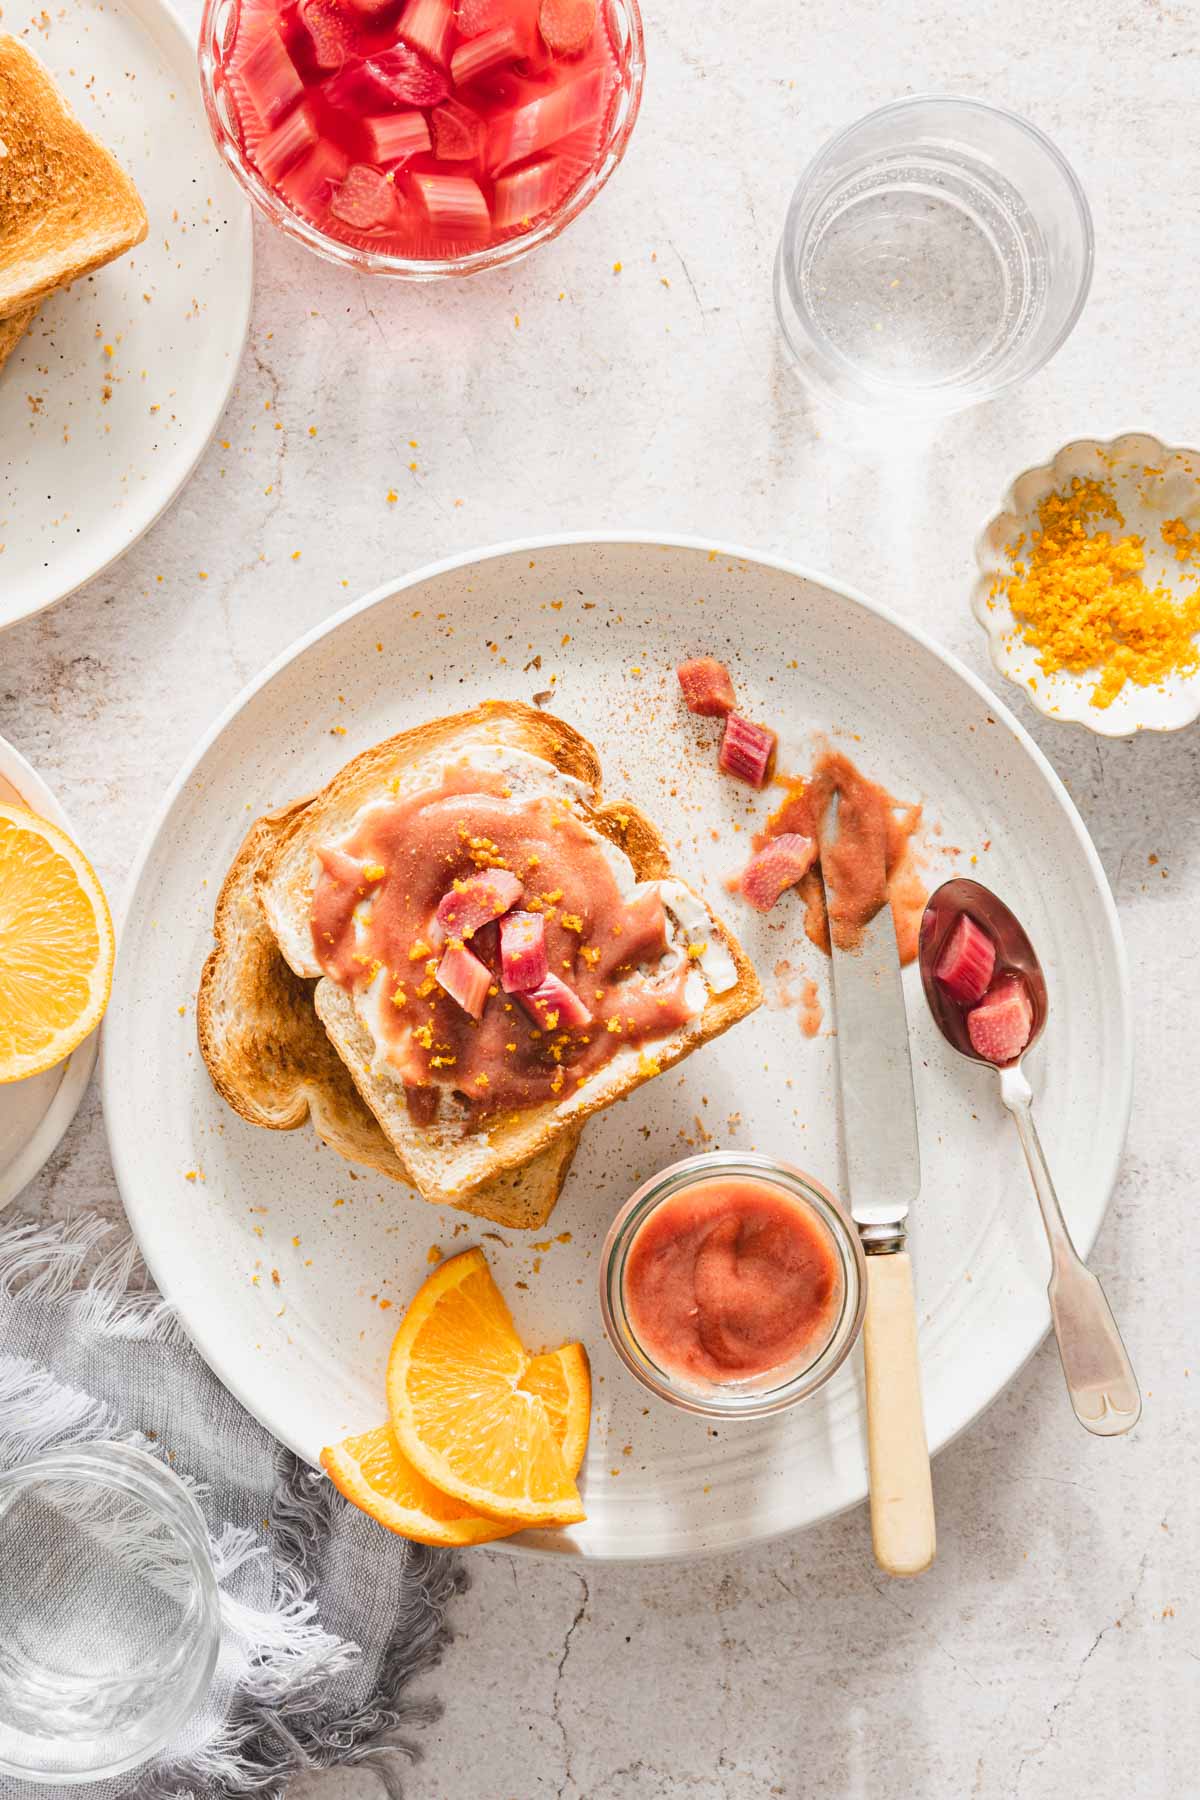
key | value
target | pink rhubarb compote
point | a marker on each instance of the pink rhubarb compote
(421, 129)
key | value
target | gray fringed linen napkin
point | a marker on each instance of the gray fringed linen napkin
(326, 1618)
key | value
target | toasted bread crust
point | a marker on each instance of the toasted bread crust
(285, 885)
(272, 1061)
(66, 205)
(12, 330)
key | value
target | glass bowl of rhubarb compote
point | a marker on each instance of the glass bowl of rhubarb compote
(421, 138)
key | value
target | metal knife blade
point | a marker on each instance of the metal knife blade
(879, 1113)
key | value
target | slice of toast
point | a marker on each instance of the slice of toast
(66, 206)
(449, 1160)
(12, 330)
(270, 1058)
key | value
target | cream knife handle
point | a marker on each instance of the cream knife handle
(902, 1524)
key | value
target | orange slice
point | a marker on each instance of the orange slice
(458, 1407)
(563, 1381)
(56, 945)
(372, 1471)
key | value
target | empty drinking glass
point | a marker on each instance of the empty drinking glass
(934, 254)
(109, 1613)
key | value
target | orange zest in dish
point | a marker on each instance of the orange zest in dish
(1078, 596)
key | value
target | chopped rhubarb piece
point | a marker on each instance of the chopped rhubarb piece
(707, 687)
(487, 51)
(270, 79)
(428, 25)
(332, 34)
(779, 865)
(422, 1103)
(308, 186)
(525, 194)
(567, 25)
(539, 123)
(476, 901)
(747, 750)
(485, 944)
(454, 203)
(555, 1006)
(1000, 1025)
(366, 199)
(394, 137)
(476, 16)
(523, 960)
(286, 144)
(407, 77)
(967, 962)
(465, 979)
(457, 131)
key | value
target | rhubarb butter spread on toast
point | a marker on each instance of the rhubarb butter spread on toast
(499, 946)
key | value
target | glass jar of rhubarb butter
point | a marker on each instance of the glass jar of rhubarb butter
(732, 1285)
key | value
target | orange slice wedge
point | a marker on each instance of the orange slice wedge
(458, 1407)
(56, 945)
(372, 1471)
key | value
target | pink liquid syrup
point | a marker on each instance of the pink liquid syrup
(424, 129)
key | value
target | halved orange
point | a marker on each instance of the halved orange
(372, 1471)
(458, 1407)
(56, 945)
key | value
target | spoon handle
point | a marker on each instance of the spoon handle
(1100, 1378)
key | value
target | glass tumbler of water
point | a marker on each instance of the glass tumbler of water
(109, 1613)
(934, 254)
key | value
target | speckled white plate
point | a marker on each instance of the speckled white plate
(599, 624)
(35, 1113)
(108, 401)
(1151, 482)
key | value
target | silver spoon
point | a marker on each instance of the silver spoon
(1100, 1379)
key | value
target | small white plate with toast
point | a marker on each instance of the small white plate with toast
(291, 1266)
(35, 1113)
(110, 395)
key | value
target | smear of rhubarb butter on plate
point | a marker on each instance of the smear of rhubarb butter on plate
(873, 863)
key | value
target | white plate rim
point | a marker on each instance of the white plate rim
(51, 1128)
(647, 539)
(136, 530)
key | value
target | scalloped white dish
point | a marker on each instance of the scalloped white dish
(1152, 482)
(222, 1209)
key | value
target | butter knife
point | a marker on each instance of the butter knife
(883, 1164)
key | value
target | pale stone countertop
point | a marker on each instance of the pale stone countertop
(1053, 1650)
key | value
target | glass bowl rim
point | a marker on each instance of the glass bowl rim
(742, 1404)
(407, 268)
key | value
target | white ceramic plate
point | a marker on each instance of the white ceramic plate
(1151, 482)
(35, 1113)
(96, 445)
(609, 618)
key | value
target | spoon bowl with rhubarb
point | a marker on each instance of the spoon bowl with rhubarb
(421, 138)
(988, 996)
